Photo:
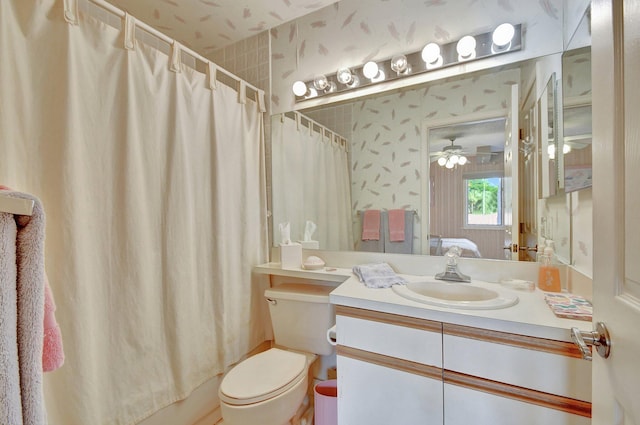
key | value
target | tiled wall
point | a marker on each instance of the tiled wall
(250, 59)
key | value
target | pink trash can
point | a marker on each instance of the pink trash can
(325, 397)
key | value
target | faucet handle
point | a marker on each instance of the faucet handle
(453, 254)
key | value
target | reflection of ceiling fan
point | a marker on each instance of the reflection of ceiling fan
(451, 155)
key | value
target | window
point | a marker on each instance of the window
(483, 201)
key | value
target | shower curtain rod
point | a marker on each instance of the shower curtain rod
(324, 130)
(16, 206)
(142, 25)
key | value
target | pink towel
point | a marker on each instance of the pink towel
(396, 225)
(371, 225)
(52, 350)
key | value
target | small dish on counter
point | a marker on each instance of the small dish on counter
(313, 263)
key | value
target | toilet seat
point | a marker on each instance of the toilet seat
(263, 376)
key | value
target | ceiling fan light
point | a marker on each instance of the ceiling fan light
(449, 164)
(454, 159)
(462, 160)
(442, 161)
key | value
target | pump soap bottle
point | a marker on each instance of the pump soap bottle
(548, 271)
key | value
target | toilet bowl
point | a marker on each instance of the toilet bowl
(265, 389)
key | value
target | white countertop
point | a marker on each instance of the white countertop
(530, 316)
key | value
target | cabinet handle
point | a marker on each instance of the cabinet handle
(598, 338)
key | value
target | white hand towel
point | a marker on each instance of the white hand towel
(378, 275)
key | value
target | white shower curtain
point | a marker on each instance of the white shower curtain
(310, 177)
(154, 191)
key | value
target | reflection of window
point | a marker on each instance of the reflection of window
(483, 201)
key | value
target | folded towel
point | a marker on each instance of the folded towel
(371, 225)
(52, 350)
(378, 275)
(396, 225)
(569, 306)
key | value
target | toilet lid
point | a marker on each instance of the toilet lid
(262, 376)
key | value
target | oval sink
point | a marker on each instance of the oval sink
(455, 295)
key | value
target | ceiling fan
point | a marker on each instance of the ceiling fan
(451, 155)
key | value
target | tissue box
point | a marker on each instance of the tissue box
(310, 244)
(291, 256)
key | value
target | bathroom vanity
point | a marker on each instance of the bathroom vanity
(400, 361)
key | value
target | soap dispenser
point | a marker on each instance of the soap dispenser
(548, 271)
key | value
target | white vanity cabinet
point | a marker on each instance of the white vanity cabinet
(389, 369)
(394, 369)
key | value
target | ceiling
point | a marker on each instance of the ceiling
(470, 135)
(207, 25)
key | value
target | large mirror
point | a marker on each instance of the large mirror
(576, 101)
(396, 141)
(389, 146)
(548, 140)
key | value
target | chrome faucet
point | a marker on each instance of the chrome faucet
(451, 273)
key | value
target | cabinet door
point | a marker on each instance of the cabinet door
(373, 394)
(464, 406)
(494, 378)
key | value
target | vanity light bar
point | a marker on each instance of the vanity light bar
(395, 68)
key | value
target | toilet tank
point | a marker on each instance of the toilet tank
(301, 315)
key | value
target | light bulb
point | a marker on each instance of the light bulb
(503, 35)
(344, 76)
(320, 82)
(449, 164)
(466, 48)
(551, 150)
(454, 159)
(441, 161)
(431, 55)
(399, 64)
(299, 88)
(462, 160)
(355, 82)
(566, 148)
(370, 70)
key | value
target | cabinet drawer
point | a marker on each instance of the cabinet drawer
(542, 365)
(401, 337)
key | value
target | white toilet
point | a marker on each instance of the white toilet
(268, 388)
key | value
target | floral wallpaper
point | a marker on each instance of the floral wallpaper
(208, 25)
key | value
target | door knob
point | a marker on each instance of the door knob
(598, 338)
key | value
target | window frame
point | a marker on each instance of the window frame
(478, 175)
